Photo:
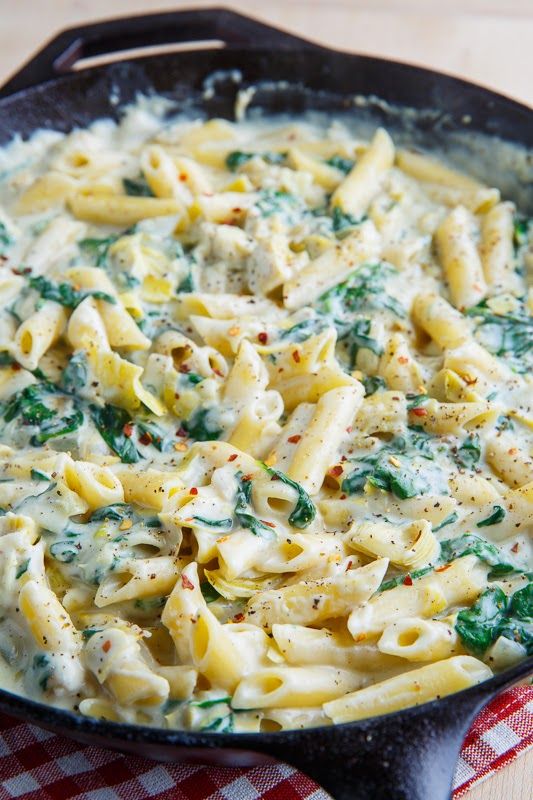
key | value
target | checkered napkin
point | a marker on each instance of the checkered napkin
(38, 765)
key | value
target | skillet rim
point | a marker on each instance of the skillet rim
(75, 722)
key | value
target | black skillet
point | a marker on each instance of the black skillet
(410, 754)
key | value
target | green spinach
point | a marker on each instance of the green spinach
(469, 453)
(243, 511)
(497, 515)
(304, 511)
(64, 293)
(202, 426)
(111, 423)
(237, 158)
(508, 336)
(470, 544)
(343, 164)
(98, 249)
(137, 187)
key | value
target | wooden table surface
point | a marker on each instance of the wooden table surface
(487, 41)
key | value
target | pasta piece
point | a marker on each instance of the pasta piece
(511, 463)
(302, 646)
(120, 327)
(279, 687)
(317, 448)
(441, 320)
(459, 582)
(310, 602)
(199, 637)
(355, 193)
(103, 209)
(412, 546)
(419, 639)
(496, 250)
(332, 267)
(460, 259)
(38, 333)
(115, 659)
(412, 688)
(54, 633)
(138, 578)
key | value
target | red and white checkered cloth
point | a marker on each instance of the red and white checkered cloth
(38, 765)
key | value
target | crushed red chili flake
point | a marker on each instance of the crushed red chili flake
(403, 359)
(146, 438)
(236, 210)
(184, 368)
(181, 432)
(515, 548)
(183, 176)
(266, 522)
(336, 471)
(246, 477)
(232, 457)
(262, 337)
(128, 429)
(16, 366)
(238, 617)
(186, 583)
(343, 497)
(348, 565)
(106, 647)
(296, 356)
(419, 412)
(294, 439)
(444, 568)
(193, 490)
(407, 581)
(349, 429)
(218, 372)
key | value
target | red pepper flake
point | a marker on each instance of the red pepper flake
(146, 438)
(236, 210)
(16, 366)
(348, 565)
(336, 471)
(184, 368)
(218, 372)
(193, 490)
(342, 497)
(407, 581)
(419, 411)
(186, 583)
(349, 429)
(183, 176)
(296, 356)
(515, 548)
(403, 359)
(128, 429)
(238, 617)
(294, 439)
(266, 522)
(106, 647)
(444, 568)
(232, 457)
(246, 478)
(181, 432)
(262, 337)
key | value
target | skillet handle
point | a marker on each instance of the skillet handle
(406, 756)
(60, 54)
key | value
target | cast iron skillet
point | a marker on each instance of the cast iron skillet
(412, 753)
